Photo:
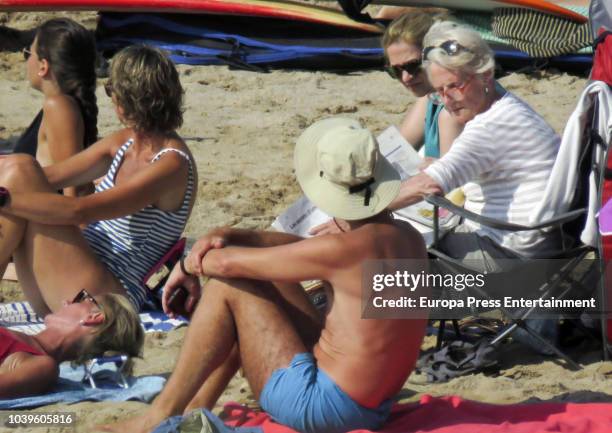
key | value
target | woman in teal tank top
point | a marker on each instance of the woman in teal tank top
(426, 123)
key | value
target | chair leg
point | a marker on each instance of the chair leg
(455, 323)
(506, 333)
(604, 337)
(441, 330)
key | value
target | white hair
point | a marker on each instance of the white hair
(477, 60)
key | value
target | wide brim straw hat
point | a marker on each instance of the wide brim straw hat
(340, 168)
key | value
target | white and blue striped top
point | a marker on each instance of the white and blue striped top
(129, 246)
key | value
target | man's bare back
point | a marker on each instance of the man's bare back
(381, 353)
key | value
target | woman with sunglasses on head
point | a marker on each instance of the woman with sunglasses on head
(426, 123)
(503, 158)
(80, 330)
(140, 207)
(60, 63)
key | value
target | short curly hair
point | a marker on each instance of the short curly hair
(146, 86)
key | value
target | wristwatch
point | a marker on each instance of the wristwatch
(4, 196)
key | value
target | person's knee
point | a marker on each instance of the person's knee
(233, 289)
(17, 169)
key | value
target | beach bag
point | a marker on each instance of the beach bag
(602, 60)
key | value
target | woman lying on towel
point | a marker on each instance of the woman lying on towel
(427, 123)
(60, 63)
(81, 329)
(140, 207)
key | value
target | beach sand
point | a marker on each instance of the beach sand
(241, 127)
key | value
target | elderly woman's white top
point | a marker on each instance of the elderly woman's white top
(503, 158)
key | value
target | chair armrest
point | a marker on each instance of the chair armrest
(442, 202)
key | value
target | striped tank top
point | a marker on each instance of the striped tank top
(129, 246)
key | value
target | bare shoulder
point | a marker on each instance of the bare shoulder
(403, 229)
(399, 238)
(177, 159)
(62, 107)
(176, 142)
(117, 139)
(405, 239)
(20, 359)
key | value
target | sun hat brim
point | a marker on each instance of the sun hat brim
(335, 199)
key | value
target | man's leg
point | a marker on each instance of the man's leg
(216, 383)
(230, 311)
(306, 321)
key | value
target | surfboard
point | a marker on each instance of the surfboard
(282, 9)
(553, 7)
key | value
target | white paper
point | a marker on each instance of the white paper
(300, 218)
(399, 152)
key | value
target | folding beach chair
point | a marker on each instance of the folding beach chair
(573, 199)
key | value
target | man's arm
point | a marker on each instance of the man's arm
(315, 258)
(215, 239)
(258, 238)
(226, 236)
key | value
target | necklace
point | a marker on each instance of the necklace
(338, 225)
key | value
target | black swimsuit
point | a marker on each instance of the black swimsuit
(28, 142)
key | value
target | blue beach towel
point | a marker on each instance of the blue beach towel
(71, 389)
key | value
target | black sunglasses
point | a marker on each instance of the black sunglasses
(83, 295)
(108, 88)
(26, 53)
(413, 67)
(451, 48)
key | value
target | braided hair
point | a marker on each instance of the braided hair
(70, 50)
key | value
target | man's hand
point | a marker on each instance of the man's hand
(325, 229)
(212, 240)
(178, 280)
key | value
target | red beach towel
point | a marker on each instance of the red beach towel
(455, 415)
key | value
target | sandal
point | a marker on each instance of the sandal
(458, 359)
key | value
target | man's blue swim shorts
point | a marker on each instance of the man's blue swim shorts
(304, 398)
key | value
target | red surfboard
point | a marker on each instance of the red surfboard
(284, 9)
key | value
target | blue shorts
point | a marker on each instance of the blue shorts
(304, 398)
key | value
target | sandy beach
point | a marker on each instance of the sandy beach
(241, 127)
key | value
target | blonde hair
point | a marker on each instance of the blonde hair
(120, 332)
(146, 85)
(412, 26)
(477, 60)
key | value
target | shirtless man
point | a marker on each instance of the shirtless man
(347, 379)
